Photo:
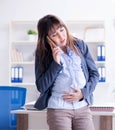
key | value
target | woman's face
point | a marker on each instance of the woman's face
(59, 36)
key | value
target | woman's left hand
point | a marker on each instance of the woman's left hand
(73, 96)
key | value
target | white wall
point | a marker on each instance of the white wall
(67, 10)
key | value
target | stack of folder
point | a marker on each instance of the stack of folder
(109, 107)
(17, 74)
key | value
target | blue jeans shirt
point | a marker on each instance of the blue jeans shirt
(70, 75)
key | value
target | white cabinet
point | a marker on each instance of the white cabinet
(22, 55)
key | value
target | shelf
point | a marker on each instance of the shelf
(23, 63)
(23, 84)
(86, 23)
(100, 62)
(95, 42)
(24, 42)
(102, 84)
(16, 22)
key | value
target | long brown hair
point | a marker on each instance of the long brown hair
(44, 26)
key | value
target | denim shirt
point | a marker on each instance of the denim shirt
(46, 79)
(70, 75)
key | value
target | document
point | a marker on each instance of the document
(29, 106)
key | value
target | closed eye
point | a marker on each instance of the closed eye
(61, 29)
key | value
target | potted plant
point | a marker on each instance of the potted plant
(32, 34)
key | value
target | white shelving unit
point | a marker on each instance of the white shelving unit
(93, 33)
(20, 43)
(21, 52)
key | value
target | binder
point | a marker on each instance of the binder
(12, 74)
(102, 76)
(16, 74)
(101, 53)
(99, 70)
(20, 74)
(103, 73)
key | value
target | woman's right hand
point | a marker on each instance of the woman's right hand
(56, 52)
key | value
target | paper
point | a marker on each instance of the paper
(30, 106)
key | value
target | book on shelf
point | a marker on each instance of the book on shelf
(16, 55)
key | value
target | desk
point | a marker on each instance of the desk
(32, 119)
(107, 119)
